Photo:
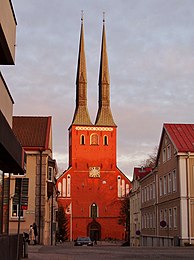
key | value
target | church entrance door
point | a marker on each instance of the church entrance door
(94, 231)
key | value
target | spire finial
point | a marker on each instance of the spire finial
(103, 17)
(82, 16)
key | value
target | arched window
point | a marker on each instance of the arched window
(68, 185)
(94, 211)
(59, 188)
(94, 139)
(82, 139)
(123, 188)
(119, 186)
(64, 188)
(105, 140)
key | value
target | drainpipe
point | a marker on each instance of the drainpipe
(40, 193)
(2, 194)
(188, 196)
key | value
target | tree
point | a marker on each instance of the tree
(151, 160)
(124, 217)
(62, 233)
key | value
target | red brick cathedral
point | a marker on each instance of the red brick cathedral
(92, 188)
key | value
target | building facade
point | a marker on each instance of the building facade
(35, 136)
(173, 176)
(91, 189)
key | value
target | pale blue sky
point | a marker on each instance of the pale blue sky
(151, 60)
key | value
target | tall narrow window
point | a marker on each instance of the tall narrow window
(164, 155)
(123, 188)
(165, 185)
(15, 211)
(68, 185)
(59, 188)
(94, 211)
(119, 186)
(175, 217)
(82, 139)
(170, 182)
(50, 173)
(170, 218)
(94, 139)
(64, 187)
(174, 182)
(105, 140)
(154, 190)
(168, 152)
(160, 183)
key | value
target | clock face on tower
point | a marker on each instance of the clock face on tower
(94, 172)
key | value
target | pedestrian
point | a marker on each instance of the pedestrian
(31, 235)
(35, 233)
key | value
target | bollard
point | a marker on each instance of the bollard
(25, 249)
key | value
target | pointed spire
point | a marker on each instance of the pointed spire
(104, 115)
(81, 115)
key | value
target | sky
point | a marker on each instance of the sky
(150, 45)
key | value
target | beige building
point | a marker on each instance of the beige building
(174, 179)
(135, 204)
(35, 136)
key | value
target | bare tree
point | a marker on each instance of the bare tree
(151, 160)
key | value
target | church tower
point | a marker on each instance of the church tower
(92, 187)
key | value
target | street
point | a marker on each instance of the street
(107, 251)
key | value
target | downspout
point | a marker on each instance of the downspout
(40, 193)
(188, 197)
(2, 198)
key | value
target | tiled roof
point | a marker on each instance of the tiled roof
(32, 131)
(182, 135)
(140, 172)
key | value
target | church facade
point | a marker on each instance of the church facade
(92, 188)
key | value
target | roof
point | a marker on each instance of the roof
(182, 136)
(32, 131)
(140, 172)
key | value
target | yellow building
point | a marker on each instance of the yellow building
(35, 136)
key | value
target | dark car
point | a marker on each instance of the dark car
(83, 241)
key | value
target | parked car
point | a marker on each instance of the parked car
(83, 241)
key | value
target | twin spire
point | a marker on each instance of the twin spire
(104, 116)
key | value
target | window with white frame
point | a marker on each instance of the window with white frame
(145, 197)
(170, 218)
(82, 139)
(15, 211)
(154, 190)
(165, 185)
(151, 221)
(94, 211)
(64, 190)
(94, 139)
(148, 221)
(165, 215)
(164, 155)
(175, 217)
(119, 186)
(174, 180)
(160, 186)
(169, 152)
(154, 220)
(170, 182)
(145, 221)
(142, 195)
(148, 193)
(151, 193)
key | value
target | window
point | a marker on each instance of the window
(175, 217)
(82, 139)
(119, 186)
(165, 215)
(123, 188)
(168, 152)
(142, 195)
(148, 221)
(94, 139)
(15, 211)
(170, 182)
(170, 218)
(93, 212)
(151, 194)
(161, 215)
(154, 190)
(174, 183)
(50, 173)
(145, 197)
(160, 183)
(164, 155)
(105, 140)
(165, 185)
(151, 221)
(59, 188)
(64, 187)
(148, 193)
(68, 185)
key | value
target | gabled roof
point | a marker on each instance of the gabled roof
(182, 136)
(32, 131)
(140, 172)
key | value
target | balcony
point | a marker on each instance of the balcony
(7, 33)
